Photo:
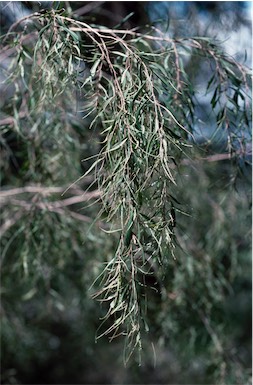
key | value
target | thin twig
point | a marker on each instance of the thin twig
(20, 21)
(7, 52)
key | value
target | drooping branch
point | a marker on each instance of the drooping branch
(137, 94)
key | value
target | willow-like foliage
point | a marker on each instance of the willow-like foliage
(132, 88)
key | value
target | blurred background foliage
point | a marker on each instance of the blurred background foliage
(52, 248)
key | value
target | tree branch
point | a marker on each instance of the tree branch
(88, 7)
(47, 191)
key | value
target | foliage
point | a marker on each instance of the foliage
(74, 84)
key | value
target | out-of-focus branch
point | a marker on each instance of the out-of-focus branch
(57, 206)
(210, 330)
(10, 222)
(50, 190)
(88, 7)
(26, 206)
(9, 121)
(210, 158)
(7, 51)
(49, 207)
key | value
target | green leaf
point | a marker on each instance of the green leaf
(94, 67)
